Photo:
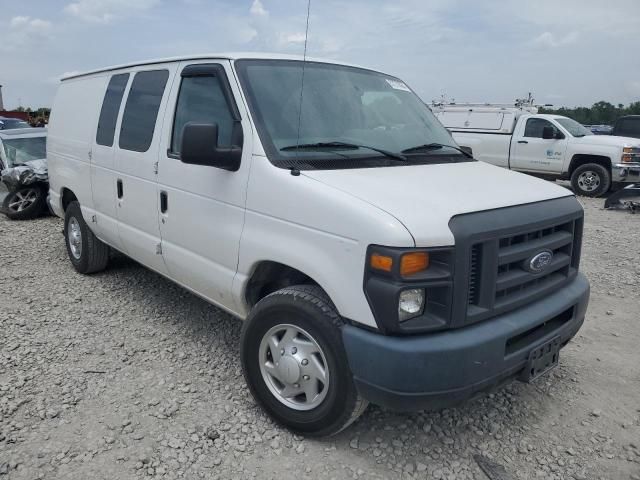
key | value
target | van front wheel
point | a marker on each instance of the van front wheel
(86, 252)
(295, 364)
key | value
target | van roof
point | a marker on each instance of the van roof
(207, 56)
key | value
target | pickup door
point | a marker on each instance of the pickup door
(531, 152)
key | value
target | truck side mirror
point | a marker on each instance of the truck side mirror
(200, 147)
(548, 133)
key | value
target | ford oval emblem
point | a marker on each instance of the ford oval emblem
(538, 262)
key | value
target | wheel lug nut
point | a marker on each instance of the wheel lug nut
(306, 377)
(297, 385)
(282, 351)
(294, 350)
(305, 361)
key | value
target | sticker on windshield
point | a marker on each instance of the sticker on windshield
(397, 85)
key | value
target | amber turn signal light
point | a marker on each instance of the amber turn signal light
(381, 262)
(412, 263)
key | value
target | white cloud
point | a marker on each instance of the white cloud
(105, 11)
(31, 25)
(18, 21)
(549, 40)
(24, 32)
(257, 9)
(297, 37)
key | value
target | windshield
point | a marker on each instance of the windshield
(20, 150)
(573, 127)
(9, 124)
(374, 113)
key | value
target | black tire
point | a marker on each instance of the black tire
(591, 180)
(25, 203)
(93, 255)
(309, 308)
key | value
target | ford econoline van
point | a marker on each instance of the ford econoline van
(370, 258)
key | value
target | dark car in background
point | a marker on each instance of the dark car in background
(12, 123)
(628, 126)
(600, 129)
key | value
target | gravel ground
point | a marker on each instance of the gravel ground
(125, 375)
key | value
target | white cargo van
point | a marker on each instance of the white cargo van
(550, 146)
(370, 259)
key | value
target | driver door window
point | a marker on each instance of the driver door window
(201, 100)
(535, 126)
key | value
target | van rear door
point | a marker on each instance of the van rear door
(137, 151)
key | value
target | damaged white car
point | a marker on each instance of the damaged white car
(23, 169)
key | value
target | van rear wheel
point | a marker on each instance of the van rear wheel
(295, 364)
(86, 252)
(591, 180)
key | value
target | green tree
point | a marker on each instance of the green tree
(600, 113)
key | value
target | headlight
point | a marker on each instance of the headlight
(409, 290)
(410, 303)
(630, 154)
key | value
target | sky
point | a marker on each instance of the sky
(567, 52)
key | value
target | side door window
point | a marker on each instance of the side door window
(535, 126)
(110, 108)
(202, 100)
(141, 110)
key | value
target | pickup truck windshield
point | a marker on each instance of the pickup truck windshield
(20, 150)
(573, 127)
(350, 117)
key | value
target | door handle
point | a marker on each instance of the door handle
(522, 141)
(119, 187)
(164, 202)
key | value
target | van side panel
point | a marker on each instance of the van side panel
(71, 130)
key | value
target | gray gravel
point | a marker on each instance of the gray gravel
(125, 375)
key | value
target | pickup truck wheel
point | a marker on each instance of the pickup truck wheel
(295, 364)
(591, 180)
(86, 252)
(25, 203)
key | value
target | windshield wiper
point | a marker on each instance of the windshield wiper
(341, 146)
(435, 146)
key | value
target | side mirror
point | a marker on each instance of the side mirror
(548, 133)
(200, 147)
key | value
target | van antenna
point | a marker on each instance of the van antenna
(304, 61)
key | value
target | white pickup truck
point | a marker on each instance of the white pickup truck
(549, 146)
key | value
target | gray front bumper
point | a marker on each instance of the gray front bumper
(440, 369)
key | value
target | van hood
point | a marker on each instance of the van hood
(425, 197)
(608, 140)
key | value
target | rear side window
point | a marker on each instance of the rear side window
(141, 110)
(110, 109)
(201, 100)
